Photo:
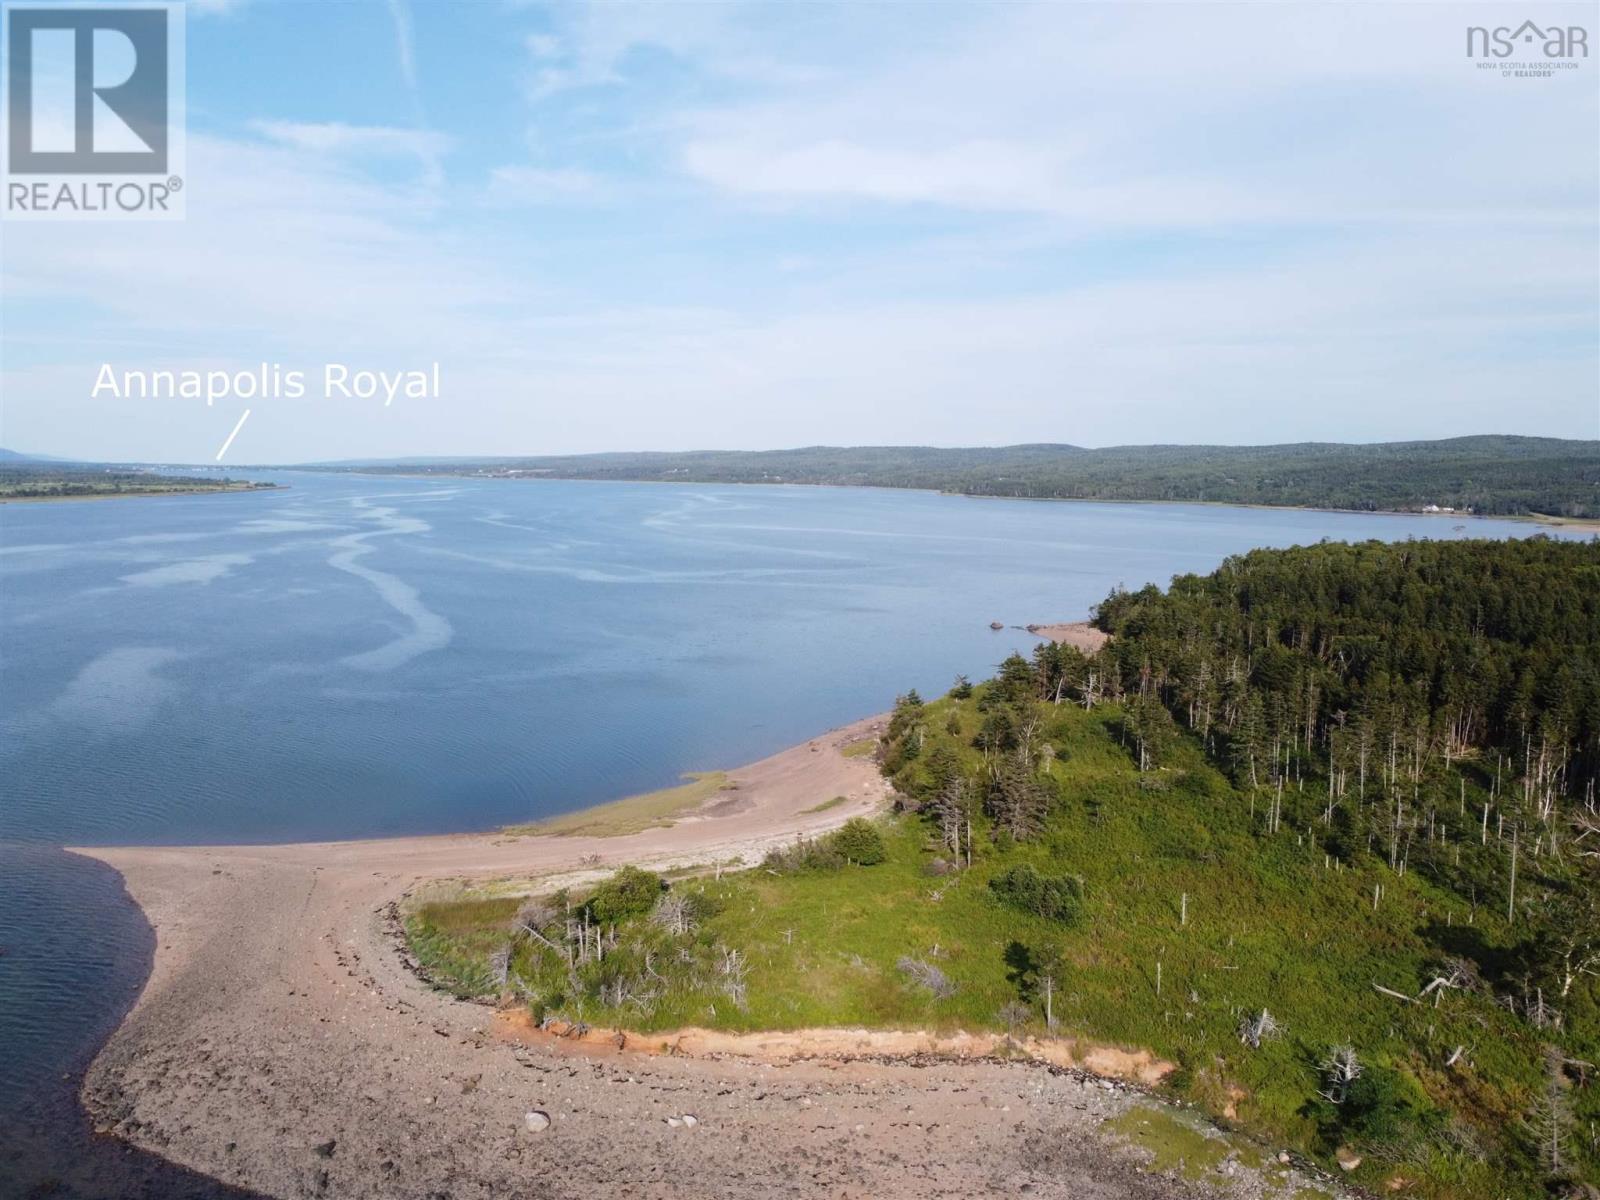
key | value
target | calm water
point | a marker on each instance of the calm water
(363, 656)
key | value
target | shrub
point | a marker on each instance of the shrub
(859, 841)
(1377, 1108)
(1014, 1015)
(927, 976)
(629, 893)
(856, 841)
(1054, 897)
(804, 855)
(1382, 1109)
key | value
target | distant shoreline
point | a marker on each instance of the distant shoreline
(146, 495)
(1581, 524)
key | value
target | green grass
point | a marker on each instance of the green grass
(825, 805)
(1178, 1146)
(632, 814)
(453, 940)
(861, 749)
(1269, 924)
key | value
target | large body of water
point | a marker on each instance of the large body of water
(360, 656)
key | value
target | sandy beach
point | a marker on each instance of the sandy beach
(283, 1044)
(1081, 634)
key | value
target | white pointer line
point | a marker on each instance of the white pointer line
(233, 435)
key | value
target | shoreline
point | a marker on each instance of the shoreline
(148, 495)
(1081, 635)
(1589, 525)
(282, 1042)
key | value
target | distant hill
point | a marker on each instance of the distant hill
(1492, 474)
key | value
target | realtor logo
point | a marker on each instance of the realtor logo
(109, 94)
(93, 110)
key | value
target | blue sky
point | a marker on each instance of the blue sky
(750, 225)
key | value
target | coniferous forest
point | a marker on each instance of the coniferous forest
(1373, 669)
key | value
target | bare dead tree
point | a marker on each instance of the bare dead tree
(926, 975)
(616, 992)
(531, 920)
(1014, 1015)
(950, 808)
(1532, 1007)
(1392, 994)
(1570, 946)
(1457, 974)
(674, 912)
(1549, 1117)
(1586, 826)
(733, 967)
(1255, 1028)
(650, 968)
(500, 967)
(1340, 1069)
(533, 916)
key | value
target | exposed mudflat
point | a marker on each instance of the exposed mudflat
(282, 1044)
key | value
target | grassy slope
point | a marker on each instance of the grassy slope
(1269, 925)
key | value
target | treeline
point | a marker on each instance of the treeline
(1373, 665)
(1377, 672)
(1491, 475)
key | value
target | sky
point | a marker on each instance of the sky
(769, 224)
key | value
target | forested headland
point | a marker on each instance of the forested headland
(1320, 828)
(1490, 475)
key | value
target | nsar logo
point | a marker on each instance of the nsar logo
(1553, 41)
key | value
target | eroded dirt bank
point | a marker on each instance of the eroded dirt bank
(845, 1045)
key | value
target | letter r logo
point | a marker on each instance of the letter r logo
(87, 90)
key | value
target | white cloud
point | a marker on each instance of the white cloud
(543, 45)
(1002, 224)
(405, 43)
(1173, 116)
(513, 186)
(335, 137)
(214, 8)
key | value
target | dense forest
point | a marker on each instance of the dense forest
(1373, 668)
(1489, 475)
(1319, 828)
